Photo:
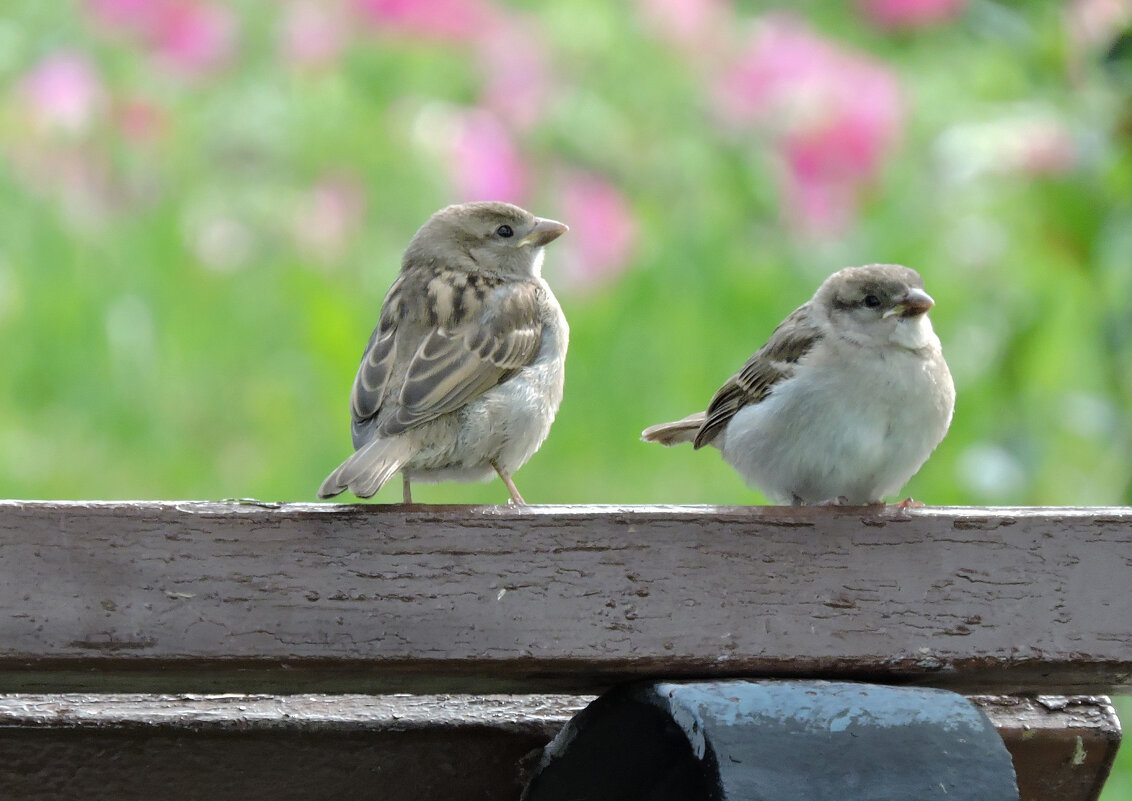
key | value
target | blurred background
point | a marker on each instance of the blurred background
(202, 204)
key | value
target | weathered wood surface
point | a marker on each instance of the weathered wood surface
(1063, 747)
(416, 748)
(349, 598)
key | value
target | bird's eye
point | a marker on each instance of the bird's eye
(872, 301)
(504, 231)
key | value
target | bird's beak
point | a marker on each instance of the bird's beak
(916, 302)
(544, 232)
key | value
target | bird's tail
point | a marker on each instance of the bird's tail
(676, 432)
(368, 469)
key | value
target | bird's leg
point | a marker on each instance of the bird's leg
(516, 498)
(909, 503)
(406, 491)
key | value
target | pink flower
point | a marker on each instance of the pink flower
(1047, 148)
(517, 79)
(833, 116)
(134, 16)
(861, 124)
(189, 36)
(782, 68)
(328, 215)
(140, 120)
(910, 13)
(313, 34)
(1093, 25)
(446, 20)
(62, 92)
(692, 25)
(484, 161)
(813, 201)
(193, 37)
(603, 230)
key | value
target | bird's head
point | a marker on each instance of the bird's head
(878, 304)
(490, 237)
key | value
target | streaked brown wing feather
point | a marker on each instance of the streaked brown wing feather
(493, 330)
(373, 374)
(378, 358)
(770, 364)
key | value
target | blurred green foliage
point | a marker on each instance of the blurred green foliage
(173, 326)
(135, 368)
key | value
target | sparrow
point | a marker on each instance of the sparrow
(463, 375)
(845, 401)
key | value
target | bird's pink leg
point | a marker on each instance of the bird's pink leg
(516, 498)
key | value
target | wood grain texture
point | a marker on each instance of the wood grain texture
(417, 748)
(367, 598)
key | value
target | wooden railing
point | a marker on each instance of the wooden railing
(421, 652)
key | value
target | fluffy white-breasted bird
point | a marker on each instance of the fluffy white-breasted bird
(843, 404)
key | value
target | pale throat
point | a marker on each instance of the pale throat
(913, 333)
(536, 263)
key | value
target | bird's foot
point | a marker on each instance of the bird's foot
(909, 503)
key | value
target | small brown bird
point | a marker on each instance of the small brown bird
(463, 375)
(843, 404)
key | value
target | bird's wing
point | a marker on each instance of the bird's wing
(378, 358)
(772, 363)
(472, 333)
